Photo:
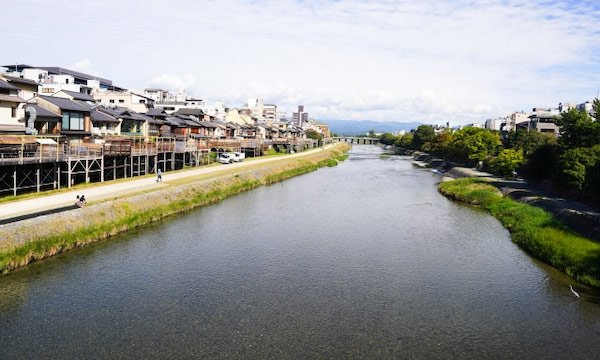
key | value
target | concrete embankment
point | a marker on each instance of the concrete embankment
(41, 237)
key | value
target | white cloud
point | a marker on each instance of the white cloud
(84, 65)
(402, 60)
(173, 81)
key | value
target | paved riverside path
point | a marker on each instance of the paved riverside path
(52, 202)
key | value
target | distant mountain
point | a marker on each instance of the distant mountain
(355, 127)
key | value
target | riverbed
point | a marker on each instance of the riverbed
(362, 260)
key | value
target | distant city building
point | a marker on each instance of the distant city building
(172, 102)
(127, 99)
(300, 117)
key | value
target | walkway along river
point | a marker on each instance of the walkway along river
(362, 260)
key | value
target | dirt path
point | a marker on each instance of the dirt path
(106, 190)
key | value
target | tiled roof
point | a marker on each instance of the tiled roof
(78, 96)
(101, 116)
(66, 104)
(6, 85)
(186, 111)
(43, 112)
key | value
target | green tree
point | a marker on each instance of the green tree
(529, 142)
(313, 134)
(387, 139)
(471, 144)
(441, 143)
(578, 168)
(404, 141)
(423, 135)
(507, 161)
(578, 129)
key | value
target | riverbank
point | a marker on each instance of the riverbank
(533, 229)
(38, 238)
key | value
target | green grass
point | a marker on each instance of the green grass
(533, 229)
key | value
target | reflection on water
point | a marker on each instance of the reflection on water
(363, 260)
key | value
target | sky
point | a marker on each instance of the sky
(430, 61)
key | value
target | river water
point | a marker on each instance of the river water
(363, 260)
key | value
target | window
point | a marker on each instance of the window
(112, 101)
(121, 101)
(48, 90)
(66, 81)
(13, 111)
(72, 121)
(142, 101)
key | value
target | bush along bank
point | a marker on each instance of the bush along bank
(534, 230)
(39, 238)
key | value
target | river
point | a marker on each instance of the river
(362, 260)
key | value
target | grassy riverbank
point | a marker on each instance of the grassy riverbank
(534, 230)
(38, 238)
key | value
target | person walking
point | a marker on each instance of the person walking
(158, 176)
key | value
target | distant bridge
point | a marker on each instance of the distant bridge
(358, 140)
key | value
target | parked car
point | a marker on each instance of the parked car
(238, 156)
(225, 158)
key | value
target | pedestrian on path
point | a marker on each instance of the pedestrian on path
(80, 200)
(158, 176)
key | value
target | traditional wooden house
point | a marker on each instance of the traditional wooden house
(103, 123)
(75, 119)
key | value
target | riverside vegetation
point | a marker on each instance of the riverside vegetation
(569, 164)
(38, 238)
(534, 230)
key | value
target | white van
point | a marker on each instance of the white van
(225, 158)
(238, 156)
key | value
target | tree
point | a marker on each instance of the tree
(507, 161)
(422, 136)
(387, 139)
(313, 134)
(404, 141)
(471, 144)
(578, 129)
(440, 145)
(578, 168)
(529, 142)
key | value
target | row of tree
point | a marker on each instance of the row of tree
(571, 161)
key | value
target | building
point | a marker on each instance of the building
(52, 79)
(514, 120)
(124, 98)
(270, 112)
(495, 124)
(11, 109)
(300, 117)
(172, 102)
(542, 120)
(27, 88)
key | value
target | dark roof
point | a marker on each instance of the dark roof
(43, 112)
(175, 121)
(186, 111)
(156, 112)
(6, 85)
(66, 104)
(99, 115)
(208, 124)
(78, 96)
(15, 79)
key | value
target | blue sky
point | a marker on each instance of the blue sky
(430, 61)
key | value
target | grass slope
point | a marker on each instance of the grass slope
(533, 229)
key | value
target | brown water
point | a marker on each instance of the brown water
(363, 260)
